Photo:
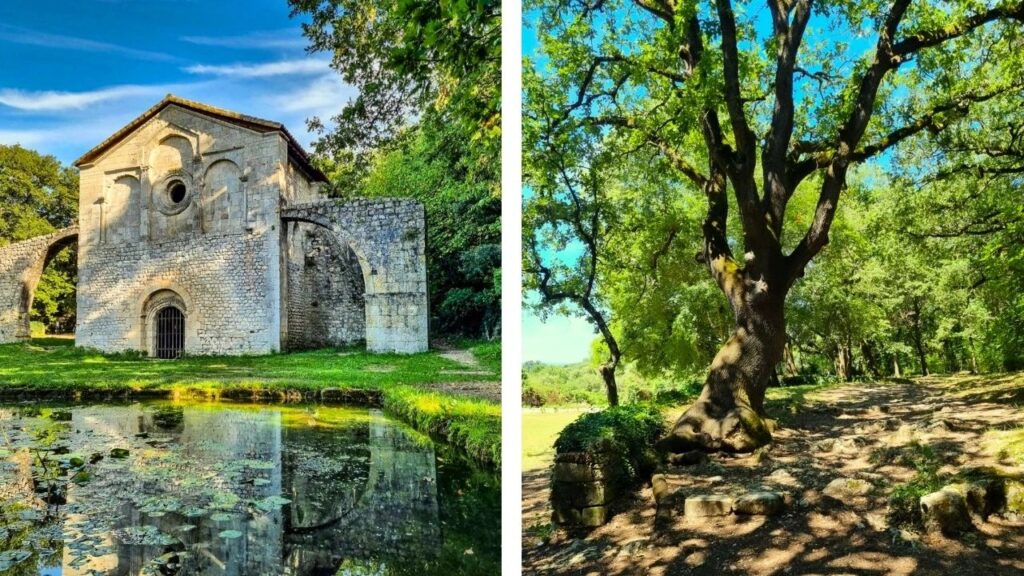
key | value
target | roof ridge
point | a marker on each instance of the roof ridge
(245, 120)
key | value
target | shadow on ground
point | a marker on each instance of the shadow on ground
(869, 432)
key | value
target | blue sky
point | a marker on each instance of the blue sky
(73, 72)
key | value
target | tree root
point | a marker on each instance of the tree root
(705, 427)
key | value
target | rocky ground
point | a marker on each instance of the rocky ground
(836, 459)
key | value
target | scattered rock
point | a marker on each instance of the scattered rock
(783, 477)
(659, 486)
(983, 497)
(590, 517)
(846, 490)
(850, 445)
(707, 505)
(904, 435)
(826, 445)
(759, 503)
(1015, 496)
(119, 453)
(945, 511)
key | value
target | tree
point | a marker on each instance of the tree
(737, 103)
(434, 164)
(37, 197)
(405, 58)
(567, 219)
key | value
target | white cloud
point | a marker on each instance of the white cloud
(50, 100)
(35, 38)
(324, 96)
(260, 39)
(303, 66)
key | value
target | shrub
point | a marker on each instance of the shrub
(38, 329)
(625, 433)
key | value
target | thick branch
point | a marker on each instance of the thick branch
(788, 37)
(733, 96)
(929, 38)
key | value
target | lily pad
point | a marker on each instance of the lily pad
(119, 453)
(271, 503)
(230, 534)
(12, 558)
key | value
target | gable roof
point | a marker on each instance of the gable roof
(295, 151)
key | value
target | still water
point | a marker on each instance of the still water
(168, 488)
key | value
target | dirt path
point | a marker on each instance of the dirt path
(487, 390)
(869, 432)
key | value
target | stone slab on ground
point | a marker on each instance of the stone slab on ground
(707, 505)
(758, 504)
(847, 490)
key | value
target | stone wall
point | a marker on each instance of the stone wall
(186, 204)
(387, 237)
(221, 280)
(325, 291)
(21, 265)
(583, 486)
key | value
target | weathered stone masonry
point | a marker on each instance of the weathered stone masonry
(218, 215)
(21, 265)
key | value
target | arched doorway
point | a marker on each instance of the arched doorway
(168, 324)
(169, 333)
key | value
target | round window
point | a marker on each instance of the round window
(177, 192)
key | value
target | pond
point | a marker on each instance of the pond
(168, 488)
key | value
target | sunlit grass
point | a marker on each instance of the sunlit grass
(55, 367)
(1007, 445)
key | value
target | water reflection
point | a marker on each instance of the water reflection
(159, 488)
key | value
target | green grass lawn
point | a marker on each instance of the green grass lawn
(540, 429)
(53, 366)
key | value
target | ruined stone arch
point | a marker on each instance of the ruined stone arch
(21, 266)
(389, 238)
(156, 298)
(324, 288)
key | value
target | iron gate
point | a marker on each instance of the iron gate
(170, 333)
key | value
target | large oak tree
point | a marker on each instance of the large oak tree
(765, 100)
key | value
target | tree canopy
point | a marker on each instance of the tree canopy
(762, 114)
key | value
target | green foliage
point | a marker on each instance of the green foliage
(626, 433)
(437, 166)
(580, 384)
(487, 353)
(638, 107)
(904, 509)
(407, 59)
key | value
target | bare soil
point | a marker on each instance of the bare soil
(839, 433)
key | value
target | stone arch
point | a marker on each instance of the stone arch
(21, 265)
(341, 236)
(221, 197)
(389, 238)
(160, 296)
(325, 289)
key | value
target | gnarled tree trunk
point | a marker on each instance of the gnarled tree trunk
(729, 414)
